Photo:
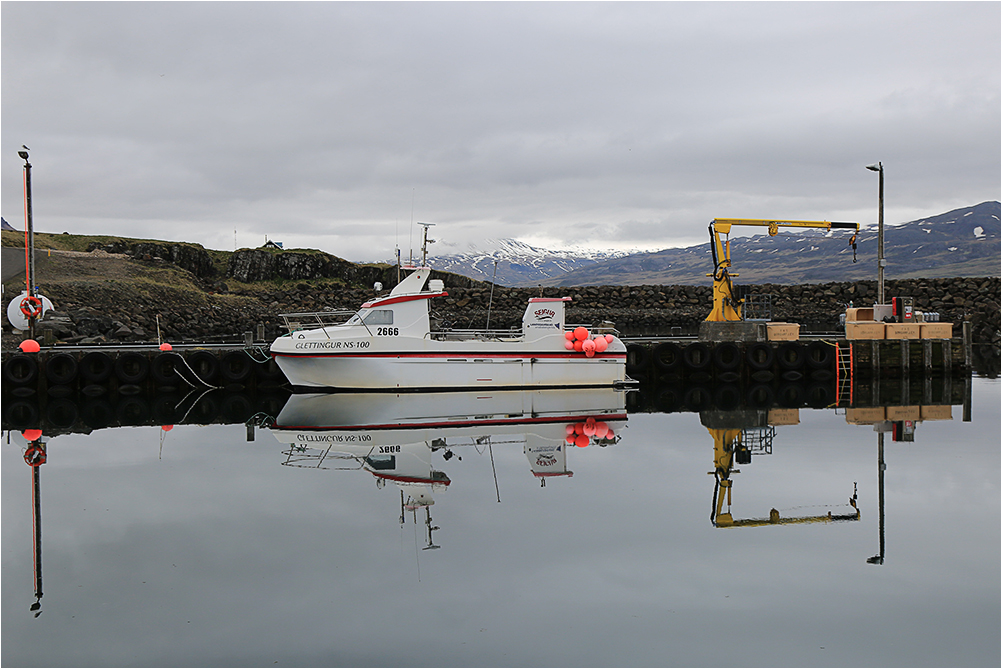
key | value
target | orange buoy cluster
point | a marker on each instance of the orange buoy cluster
(581, 434)
(579, 340)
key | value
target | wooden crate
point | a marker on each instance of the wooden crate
(783, 417)
(777, 331)
(865, 330)
(935, 412)
(899, 413)
(860, 314)
(862, 416)
(902, 331)
(935, 331)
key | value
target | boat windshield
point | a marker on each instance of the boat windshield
(372, 317)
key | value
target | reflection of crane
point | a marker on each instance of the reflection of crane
(733, 445)
(726, 306)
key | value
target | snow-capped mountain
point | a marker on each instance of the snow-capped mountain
(518, 263)
(961, 243)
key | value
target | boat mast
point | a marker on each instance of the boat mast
(424, 243)
(29, 237)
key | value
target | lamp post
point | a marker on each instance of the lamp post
(881, 230)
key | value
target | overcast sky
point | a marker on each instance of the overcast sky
(622, 125)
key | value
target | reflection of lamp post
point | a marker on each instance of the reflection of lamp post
(880, 558)
(881, 230)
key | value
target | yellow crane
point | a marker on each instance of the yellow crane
(726, 306)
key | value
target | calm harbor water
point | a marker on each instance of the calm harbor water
(201, 547)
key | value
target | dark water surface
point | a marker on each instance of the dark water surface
(197, 547)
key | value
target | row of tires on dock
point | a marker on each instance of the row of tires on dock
(665, 398)
(653, 361)
(136, 368)
(82, 411)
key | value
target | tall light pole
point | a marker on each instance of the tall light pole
(881, 230)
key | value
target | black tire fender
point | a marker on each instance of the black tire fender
(163, 368)
(235, 366)
(61, 369)
(819, 355)
(667, 356)
(790, 356)
(20, 370)
(759, 356)
(727, 356)
(132, 367)
(96, 367)
(637, 359)
(697, 356)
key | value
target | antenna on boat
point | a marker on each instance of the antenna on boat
(491, 297)
(410, 237)
(424, 243)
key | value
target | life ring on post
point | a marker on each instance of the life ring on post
(31, 306)
(34, 455)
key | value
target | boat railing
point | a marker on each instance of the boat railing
(462, 334)
(305, 320)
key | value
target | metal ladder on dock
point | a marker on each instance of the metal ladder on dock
(844, 374)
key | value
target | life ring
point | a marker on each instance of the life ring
(34, 455)
(31, 306)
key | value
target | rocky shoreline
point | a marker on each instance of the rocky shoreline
(117, 312)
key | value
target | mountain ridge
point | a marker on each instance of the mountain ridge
(963, 242)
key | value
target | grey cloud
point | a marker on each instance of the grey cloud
(561, 117)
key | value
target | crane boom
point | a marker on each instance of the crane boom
(726, 306)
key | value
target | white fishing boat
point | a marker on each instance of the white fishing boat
(388, 344)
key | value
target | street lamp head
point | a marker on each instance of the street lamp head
(874, 168)
(23, 155)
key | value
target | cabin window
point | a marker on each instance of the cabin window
(382, 462)
(373, 317)
(379, 317)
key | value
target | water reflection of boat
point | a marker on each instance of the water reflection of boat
(400, 439)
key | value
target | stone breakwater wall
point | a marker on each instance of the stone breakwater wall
(105, 314)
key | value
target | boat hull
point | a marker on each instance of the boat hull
(452, 370)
